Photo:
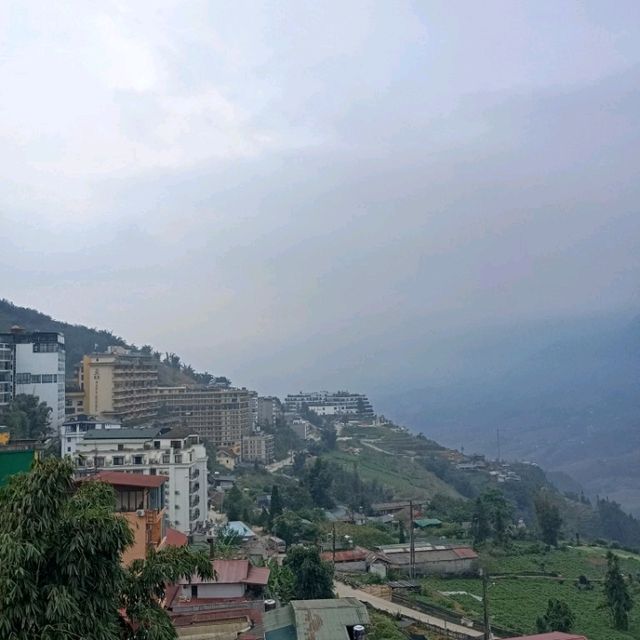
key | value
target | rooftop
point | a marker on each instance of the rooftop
(241, 529)
(554, 635)
(128, 433)
(124, 479)
(233, 572)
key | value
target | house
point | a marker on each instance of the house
(229, 605)
(227, 458)
(425, 523)
(386, 508)
(236, 526)
(331, 619)
(553, 635)
(348, 560)
(140, 501)
(220, 482)
(429, 559)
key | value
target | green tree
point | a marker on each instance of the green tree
(292, 528)
(549, 520)
(480, 527)
(233, 503)
(402, 538)
(558, 617)
(312, 577)
(27, 417)
(499, 511)
(329, 437)
(618, 600)
(281, 585)
(61, 575)
(318, 481)
(275, 506)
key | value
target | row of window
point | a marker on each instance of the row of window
(45, 347)
(37, 378)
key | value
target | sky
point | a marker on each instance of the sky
(284, 192)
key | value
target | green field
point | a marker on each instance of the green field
(516, 600)
(405, 478)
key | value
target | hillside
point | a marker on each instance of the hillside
(571, 404)
(79, 339)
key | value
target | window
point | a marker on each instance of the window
(178, 458)
(156, 444)
(68, 439)
(118, 461)
(138, 459)
(68, 449)
(48, 378)
(99, 461)
(23, 378)
(36, 378)
(120, 447)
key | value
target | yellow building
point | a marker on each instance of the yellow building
(120, 385)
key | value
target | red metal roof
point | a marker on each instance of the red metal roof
(465, 552)
(258, 575)
(231, 571)
(176, 538)
(554, 635)
(350, 555)
(124, 479)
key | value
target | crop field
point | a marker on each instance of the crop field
(517, 599)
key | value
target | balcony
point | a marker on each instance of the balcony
(194, 514)
(195, 501)
(194, 486)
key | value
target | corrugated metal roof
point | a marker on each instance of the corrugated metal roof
(554, 635)
(124, 479)
(327, 619)
(349, 555)
(258, 575)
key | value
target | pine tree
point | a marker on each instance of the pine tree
(619, 601)
(558, 617)
(549, 519)
(312, 577)
(275, 506)
(480, 527)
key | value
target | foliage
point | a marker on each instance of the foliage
(237, 505)
(318, 480)
(292, 528)
(480, 527)
(558, 617)
(329, 437)
(548, 516)
(312, 577)
(618, 600)
(60, 569)
(383, 628)
(275, 508)
(281, 582)
(27, 417)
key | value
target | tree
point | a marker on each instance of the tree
(558, 617)
(281, 586)
(233, 503)
(61, 575)
(292, 528)
(312, 577)
(27, 417)
(329, 437)
(549, 519)
(499, 511)
(275, 506)
(618, 600)
(318, 481)
(402, 538)
(480, 526)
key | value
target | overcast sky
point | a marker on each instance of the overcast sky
(263, 186)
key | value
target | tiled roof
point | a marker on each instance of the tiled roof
(176, 538)
(124, 479)
(257, 575)
(465, 552)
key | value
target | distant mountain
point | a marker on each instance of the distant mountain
(572, 403)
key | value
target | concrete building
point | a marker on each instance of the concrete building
(120, 385)
(257, 448)
(73, 401)
(269, 411)
(327, 403)
(227, 458)
(302, 428)
(140, 501)
(430, 559)
(331, 619)
(221, 415)
(175, 453)
(33, 363)
(73, 430)
(349, 560)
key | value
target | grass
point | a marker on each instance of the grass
(516, 601)
(405, 478)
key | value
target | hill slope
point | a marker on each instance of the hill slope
(79, 339)
(573, 405)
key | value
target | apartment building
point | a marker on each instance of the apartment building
(327, 403)
(221, 415)
(75, 427)
(120, 385)
(33, 363)
(175, 453)
(269, 411)
(257, 448)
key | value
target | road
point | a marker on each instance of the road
(345, 591)
(276, 466)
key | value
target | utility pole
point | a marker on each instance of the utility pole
(334, 544)
(485, 605)
(412, 546)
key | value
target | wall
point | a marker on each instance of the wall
(213, 590)
(138, 550)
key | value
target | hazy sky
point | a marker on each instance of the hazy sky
(264, 186)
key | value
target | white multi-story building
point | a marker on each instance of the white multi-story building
(327, 403)
(33, 363)
(74, 429)
(176, 453)
(257, 448)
